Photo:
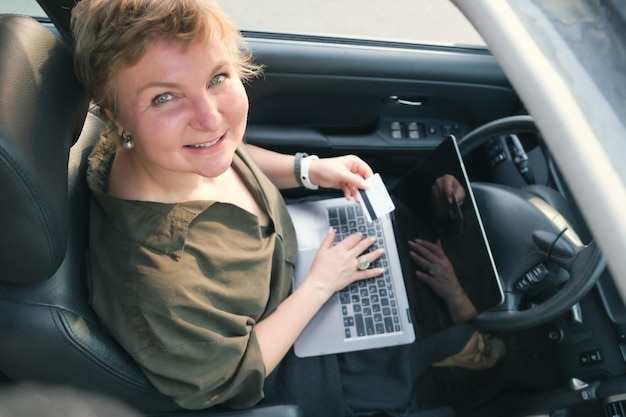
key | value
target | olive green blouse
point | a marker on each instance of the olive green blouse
(181, 286)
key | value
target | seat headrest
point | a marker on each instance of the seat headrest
(42, 110)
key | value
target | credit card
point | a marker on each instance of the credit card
(375, 200)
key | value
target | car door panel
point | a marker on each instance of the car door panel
(329, 97)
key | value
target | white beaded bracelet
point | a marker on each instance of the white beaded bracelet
(304, 172)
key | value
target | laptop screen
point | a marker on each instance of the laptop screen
(425, 210)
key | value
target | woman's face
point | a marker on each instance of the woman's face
(185, 109)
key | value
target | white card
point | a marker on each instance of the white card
(375, 200)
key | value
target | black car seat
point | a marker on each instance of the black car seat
(48, 332)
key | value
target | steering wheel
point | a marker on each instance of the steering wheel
(534, 247)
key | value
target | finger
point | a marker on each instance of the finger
(417, 249)
(414, 244)
(419, 260)
(350, 191)
(351, 241)
(459, 193)
(363, 245)
(370, 257)
(329, 239)
(362, 168)
(346, 192)
(451, 195)
(374, 255)
(438, 249)
(370, 273)
(425, 278)
(454, 190)
(356, 181)
(424, 248)
(429, 248)
(450, 190)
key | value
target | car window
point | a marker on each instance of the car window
(28, 7)
(421, 21)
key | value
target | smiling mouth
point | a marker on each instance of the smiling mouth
(204, 145)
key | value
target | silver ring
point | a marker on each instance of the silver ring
(433, 269)
(362, 263)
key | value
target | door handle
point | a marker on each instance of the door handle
(406, 101)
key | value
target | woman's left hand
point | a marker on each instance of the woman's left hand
(347, 173)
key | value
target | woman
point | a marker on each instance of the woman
(192, 249)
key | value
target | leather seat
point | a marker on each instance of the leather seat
(48, 332)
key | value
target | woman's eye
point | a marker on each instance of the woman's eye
(161, 99)
(217, 79)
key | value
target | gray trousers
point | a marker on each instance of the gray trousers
(360, 383)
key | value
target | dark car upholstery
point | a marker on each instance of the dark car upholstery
(38, 123)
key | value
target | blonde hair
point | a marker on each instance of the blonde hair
(115, 34)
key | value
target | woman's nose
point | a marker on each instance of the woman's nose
(206, 113)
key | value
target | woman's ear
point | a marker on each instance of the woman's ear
(119, 129)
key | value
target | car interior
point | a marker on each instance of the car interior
(388, 102)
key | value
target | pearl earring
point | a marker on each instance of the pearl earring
(127, 141)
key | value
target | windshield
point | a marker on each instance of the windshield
(416, 21)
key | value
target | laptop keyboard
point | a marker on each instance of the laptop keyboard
(369, 306)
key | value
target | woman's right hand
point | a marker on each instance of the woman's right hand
(335, 267)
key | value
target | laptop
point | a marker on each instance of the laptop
(396, 308)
